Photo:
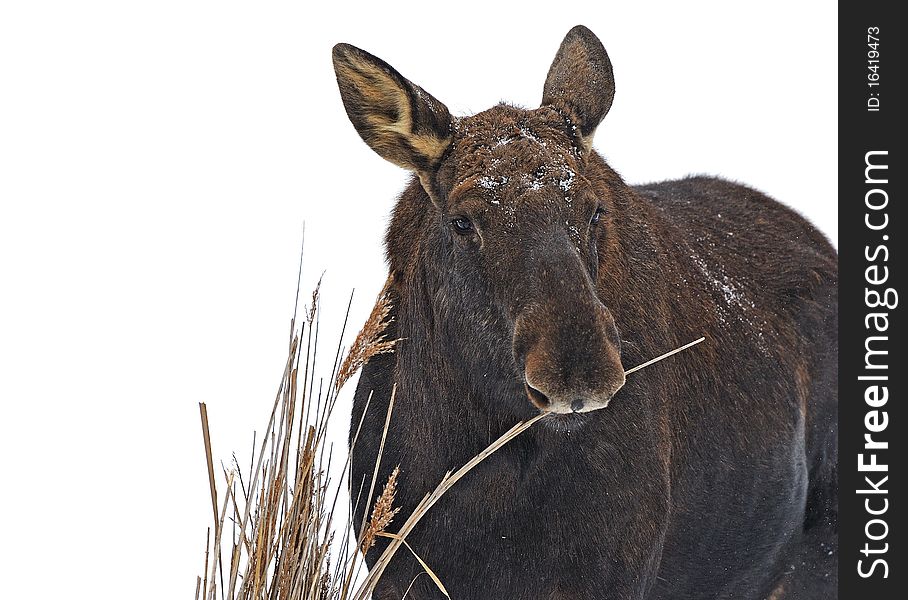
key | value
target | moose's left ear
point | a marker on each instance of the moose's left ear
(580, 82)
(396, 118)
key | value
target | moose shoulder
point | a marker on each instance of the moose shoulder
(526, 276)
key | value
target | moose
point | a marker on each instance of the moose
(526, 276)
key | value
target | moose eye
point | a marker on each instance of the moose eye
(597, 215)
(462, 225)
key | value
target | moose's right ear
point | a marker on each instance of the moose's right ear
(396, 118)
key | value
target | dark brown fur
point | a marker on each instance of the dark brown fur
(709, 475)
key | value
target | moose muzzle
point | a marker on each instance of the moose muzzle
(570, 351)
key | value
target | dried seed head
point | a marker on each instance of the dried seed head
(371, 339)
(325, 589)
(383, 512)
(310, 312)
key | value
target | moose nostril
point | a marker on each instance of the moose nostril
(538, 398)
(577, 405)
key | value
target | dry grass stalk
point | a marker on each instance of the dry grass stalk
(206, 440)
(371, 340)
(425, 567)
(663, 356)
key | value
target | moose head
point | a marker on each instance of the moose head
(513, 223)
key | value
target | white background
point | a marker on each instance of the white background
(158, 160)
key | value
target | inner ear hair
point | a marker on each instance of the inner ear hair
(398, 119)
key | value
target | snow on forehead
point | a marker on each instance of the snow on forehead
(507, 146)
